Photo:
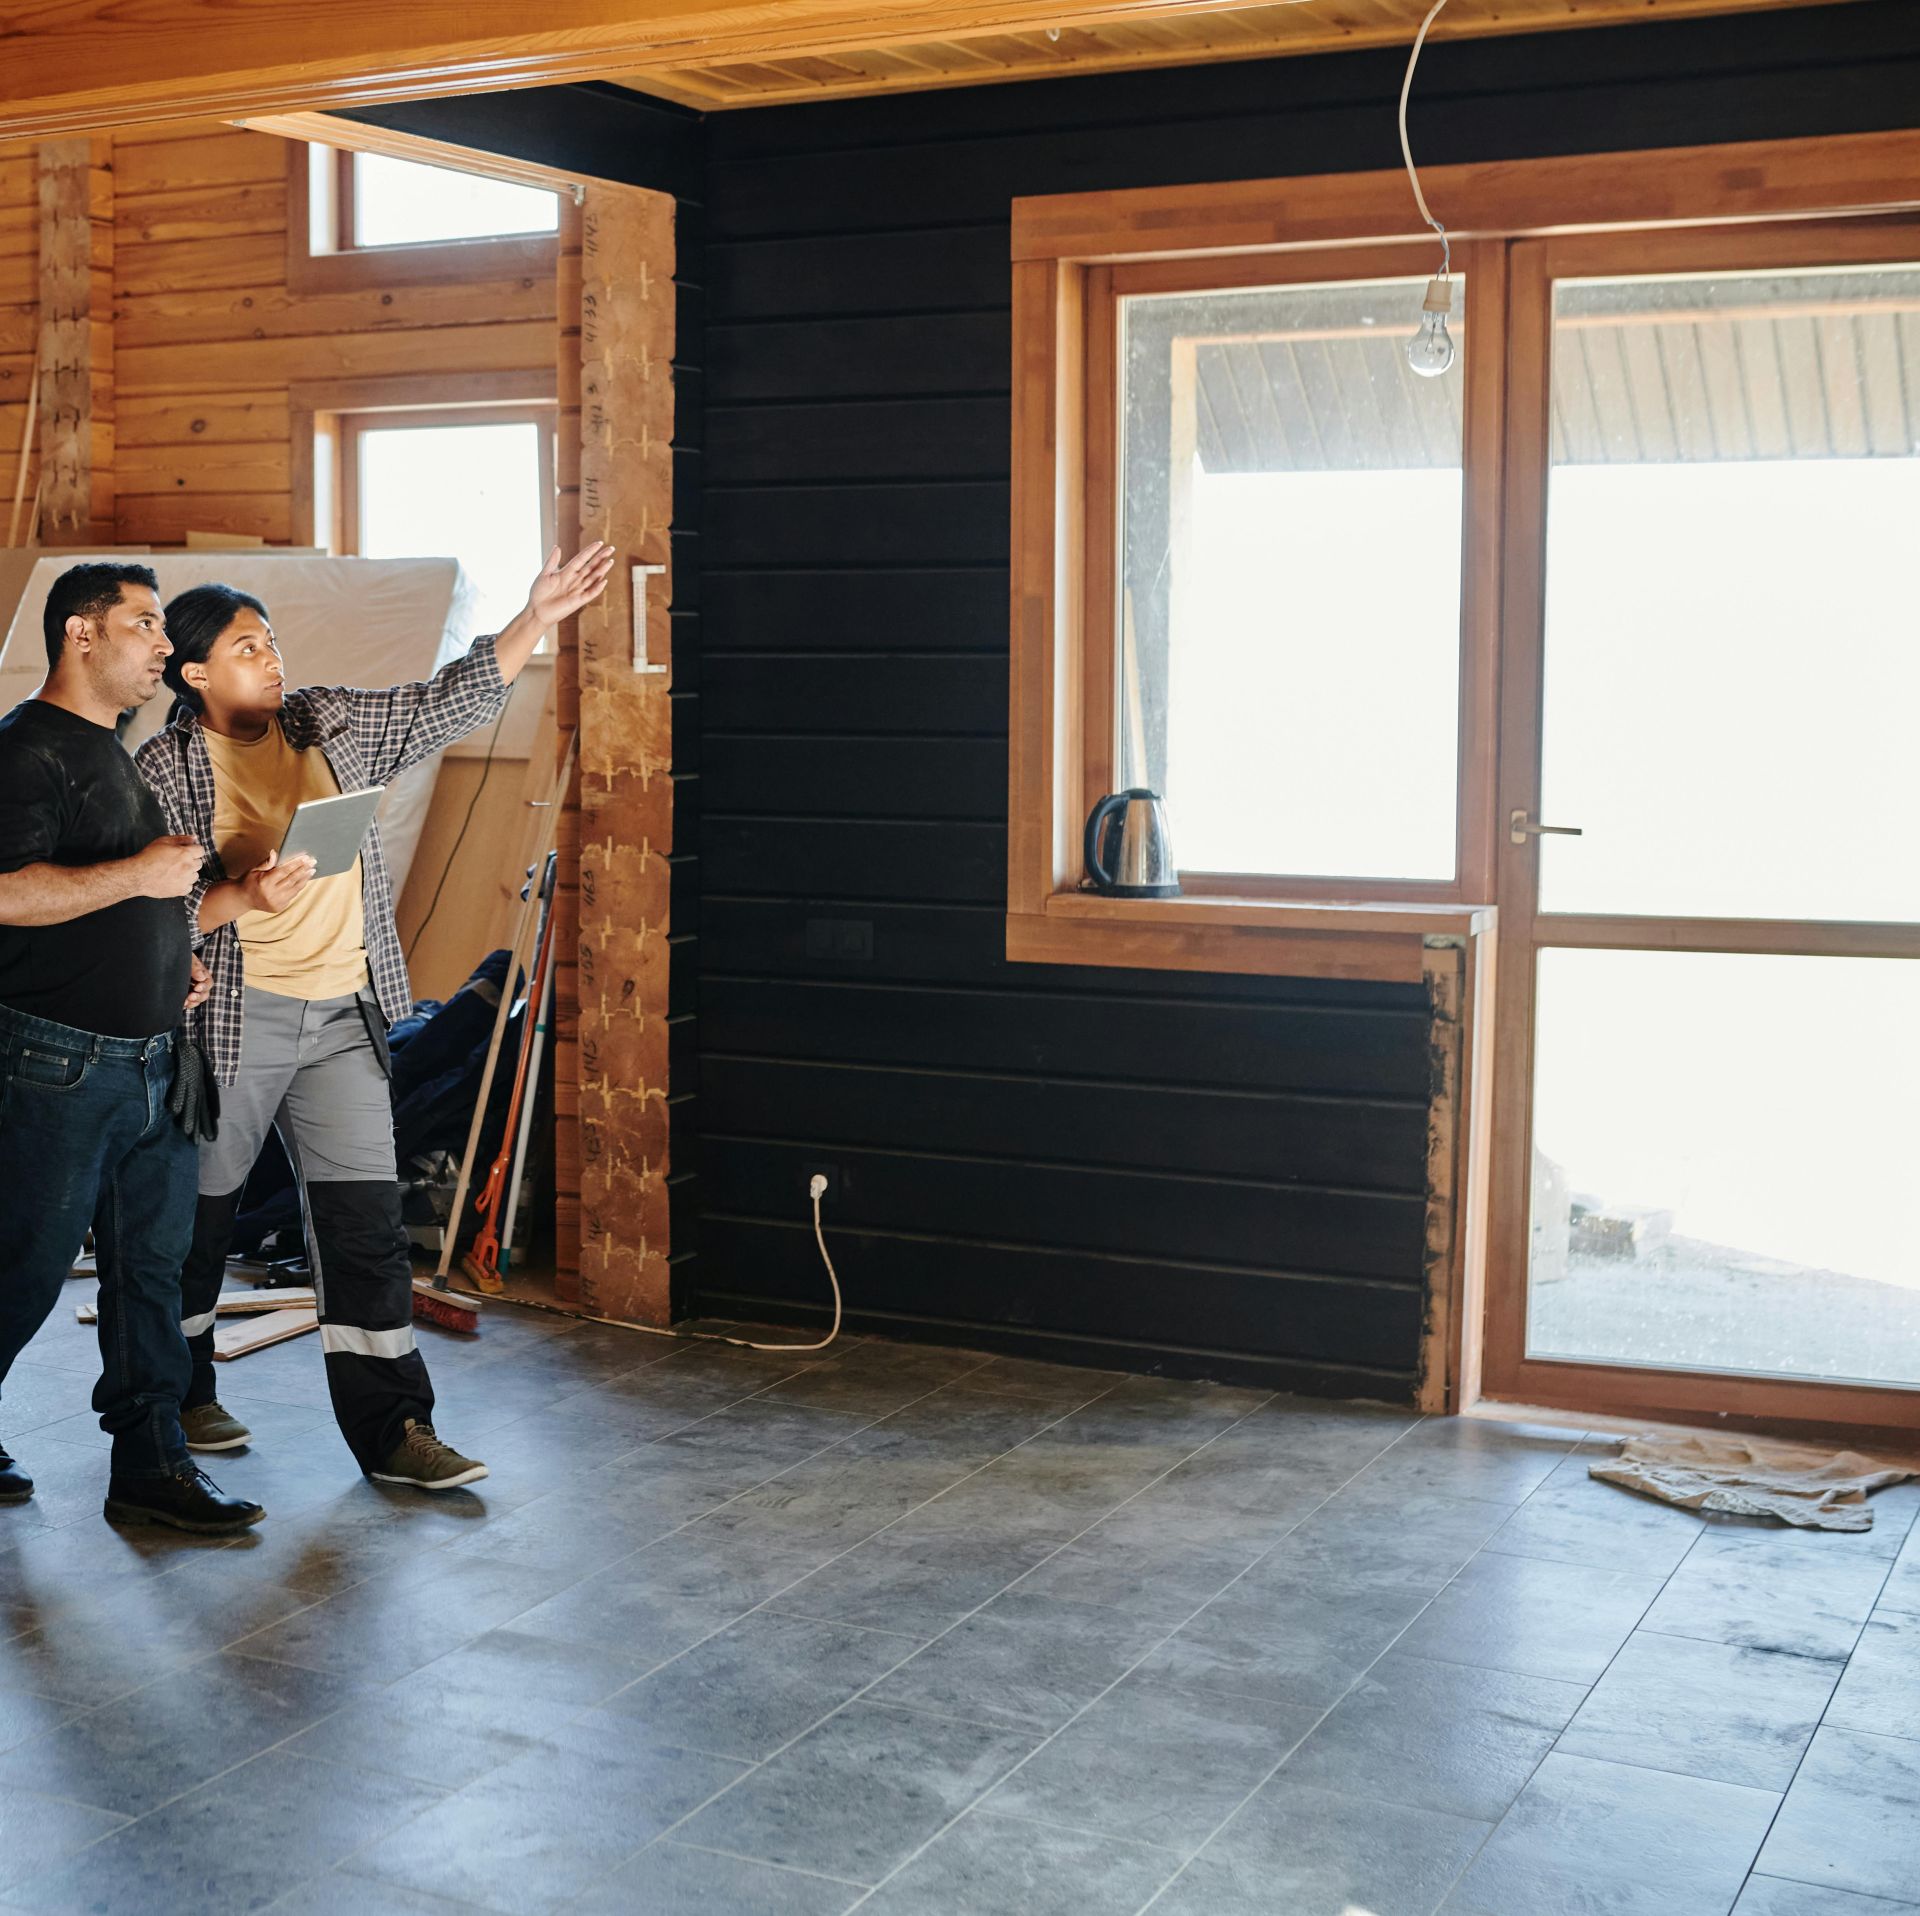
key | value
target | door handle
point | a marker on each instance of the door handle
(1520, 828)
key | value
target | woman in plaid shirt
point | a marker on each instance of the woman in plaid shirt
(308, 975)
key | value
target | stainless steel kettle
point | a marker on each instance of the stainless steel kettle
(1128, 852)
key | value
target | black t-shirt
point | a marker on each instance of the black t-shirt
(70, 795)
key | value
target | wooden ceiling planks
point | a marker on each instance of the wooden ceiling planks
(88, 65)
(1174, 36)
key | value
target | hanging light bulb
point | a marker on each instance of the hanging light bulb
(1430, 350)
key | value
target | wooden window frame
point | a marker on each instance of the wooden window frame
(1067, 251)
(316, 408)
(350, 427)
(346, 268)
(1483, 340)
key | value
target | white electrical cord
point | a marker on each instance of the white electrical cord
(1406, 148)
(816, 1190)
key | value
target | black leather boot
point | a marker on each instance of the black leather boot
(188, 1499)
(15, 1485)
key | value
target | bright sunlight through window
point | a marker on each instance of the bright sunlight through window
(470, 493)
(401, 203)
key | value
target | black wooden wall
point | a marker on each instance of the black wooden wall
(1209, 1174)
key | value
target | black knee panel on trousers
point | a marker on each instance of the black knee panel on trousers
(200, 1279)
(376, 1377)
(366, 1275)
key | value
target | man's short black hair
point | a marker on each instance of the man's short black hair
(88, 592)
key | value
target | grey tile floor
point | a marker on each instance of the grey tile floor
(921, 1631)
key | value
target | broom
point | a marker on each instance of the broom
(435, 1302)
(482, 1262)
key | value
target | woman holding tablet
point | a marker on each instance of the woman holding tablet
(308, 975)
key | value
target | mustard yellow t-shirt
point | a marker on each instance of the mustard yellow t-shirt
(317, 947)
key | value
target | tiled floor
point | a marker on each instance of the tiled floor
(919, 1631)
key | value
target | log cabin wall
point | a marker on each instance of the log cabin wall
(203, 342)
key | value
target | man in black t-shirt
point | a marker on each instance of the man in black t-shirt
(95, 966)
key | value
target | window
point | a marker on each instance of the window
(472, 483)
(1288, 576)
(358, 219)
(471, 487)
(1270, 574)
(389, 202)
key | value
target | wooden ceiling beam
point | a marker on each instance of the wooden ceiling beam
(78, 66)
(72, 66)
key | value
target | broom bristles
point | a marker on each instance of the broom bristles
(443, 1308)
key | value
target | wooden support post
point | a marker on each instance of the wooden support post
(566, 697)
(616, 380)
(76, 341)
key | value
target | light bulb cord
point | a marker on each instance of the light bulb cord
(1406, 146)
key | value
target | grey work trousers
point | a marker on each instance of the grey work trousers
(311, 1069)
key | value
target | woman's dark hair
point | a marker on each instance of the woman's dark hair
(196, 619)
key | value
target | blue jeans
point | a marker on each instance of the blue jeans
(86, 1139)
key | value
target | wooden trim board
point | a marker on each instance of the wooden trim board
(234, 1304)
(256, 1333)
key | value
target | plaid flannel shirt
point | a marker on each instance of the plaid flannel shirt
(368, 738)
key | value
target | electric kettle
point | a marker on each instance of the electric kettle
(1128, 852)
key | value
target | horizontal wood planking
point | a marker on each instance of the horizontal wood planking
(193, 213)
(222, 419)
(1335, 1336)
(193, 265)
(275, 312)
(1366, 1143)
(205, 466)
(249, 363)
(857, 1006)
(948, 944)
(1068, 1207)
(165, 518)
(1046, 1034)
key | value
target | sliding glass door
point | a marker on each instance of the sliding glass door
(1707, 1120)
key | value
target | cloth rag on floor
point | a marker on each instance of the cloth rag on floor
(1745, 1477)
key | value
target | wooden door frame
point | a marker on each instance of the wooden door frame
(610, 1053)
(1507, 1372)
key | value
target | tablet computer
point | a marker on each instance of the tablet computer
(331, 830)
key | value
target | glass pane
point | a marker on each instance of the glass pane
(1723, 1164)
(1289, 580)
(402, 203)
(1732, 661)
(470, 493)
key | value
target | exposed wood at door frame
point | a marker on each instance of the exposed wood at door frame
(613, 474)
